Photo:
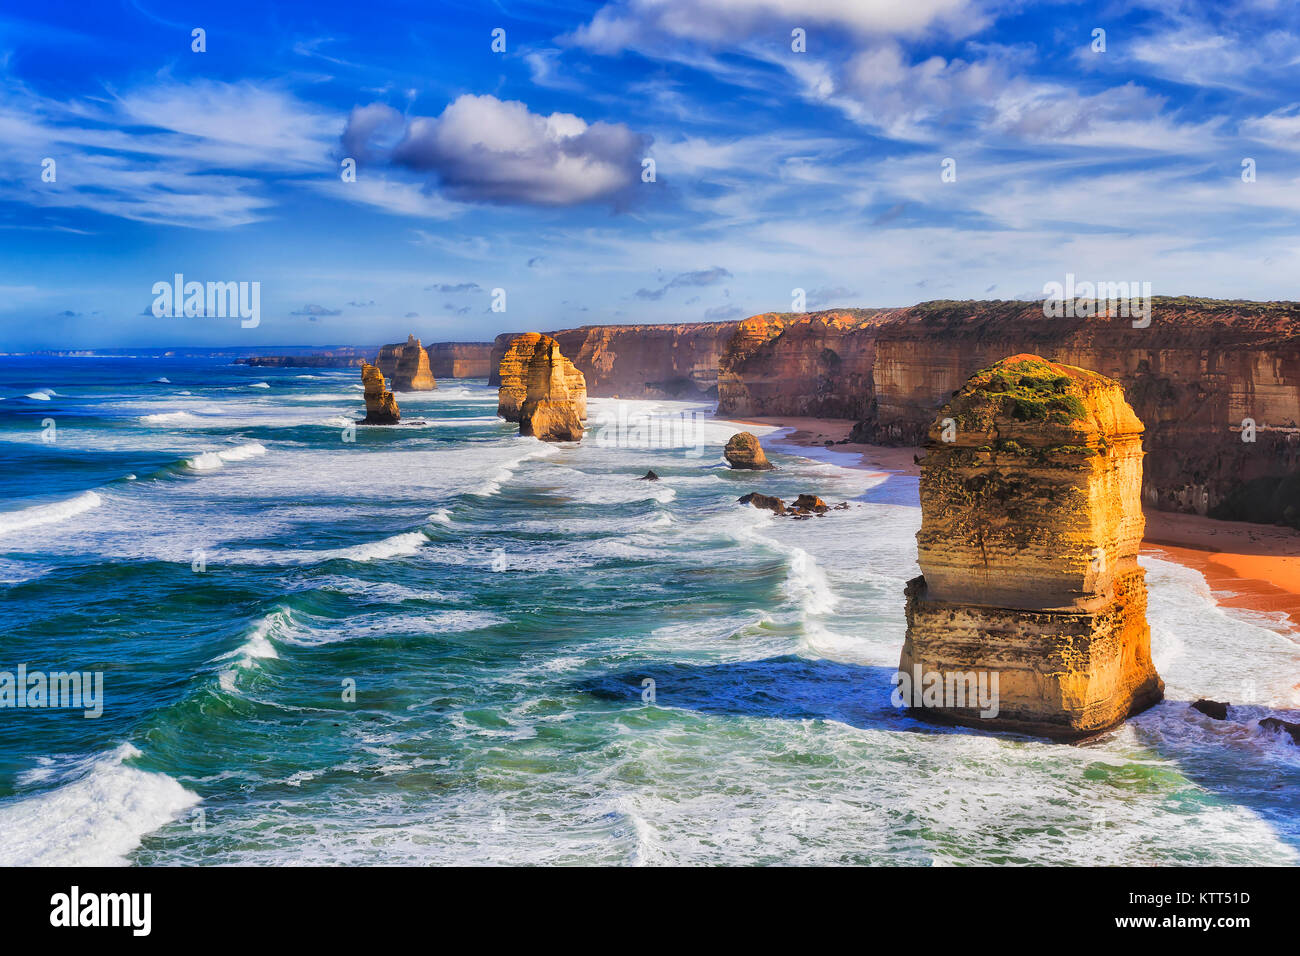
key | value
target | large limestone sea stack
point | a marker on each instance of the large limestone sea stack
(1031, 520)
(381, 406)
(541, 389)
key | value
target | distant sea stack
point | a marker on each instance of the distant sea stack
(1031, 521)
(541, 389)
(406, 366)
(381, 406)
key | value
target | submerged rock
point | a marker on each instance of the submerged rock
(1031, 521)
(381, 406)
(763, 501)
(744, 452)
(1278, 725)
(1212, 708)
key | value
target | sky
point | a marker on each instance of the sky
(629, 161)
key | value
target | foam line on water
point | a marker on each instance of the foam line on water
(11, 521)
(96, 819)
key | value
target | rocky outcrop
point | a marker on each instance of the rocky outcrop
(406, 366)
(1031, 522)
(1215, 709)
(460, 359)
(757, 500)
(541, 389)
(381, 406)
(744, 452)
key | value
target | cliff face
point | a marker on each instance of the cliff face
(1031, 523)
(643, 361)
(381, 406)
(541, 389)
(406, 365)
(1193, 375)
(460, 359)
(816, 364)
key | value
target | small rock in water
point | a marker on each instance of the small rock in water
(810, 503)
(1212, 708)
(744, 451)
(649, 476)
(1277, 724)
(775, 505)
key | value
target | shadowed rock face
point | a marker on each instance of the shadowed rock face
(744, 452)
(1031, 523)
(541, 389)
(381, 407)
(406, 366)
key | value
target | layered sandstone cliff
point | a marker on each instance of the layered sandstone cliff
(1031, 522)
(541, 389)
(381, 406)
(406, 366)
(816, 364)
(460, 359)
(643, 361)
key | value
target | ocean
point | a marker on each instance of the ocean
(443, 643)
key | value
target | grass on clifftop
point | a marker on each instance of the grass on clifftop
(1026, 390)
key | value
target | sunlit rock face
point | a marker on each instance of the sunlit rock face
(1031, 521)
(406, 366)
(381, 406)
(541, 389)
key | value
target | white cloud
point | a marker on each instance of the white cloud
(642, 24)
(179, 154)
(482, 149)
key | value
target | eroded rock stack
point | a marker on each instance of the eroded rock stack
(541, 389)
(1031, 522)
(744, 452)
(406, 365)
(381, 406)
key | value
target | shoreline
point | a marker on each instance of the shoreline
(1253, 567)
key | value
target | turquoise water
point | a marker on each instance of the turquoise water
(205, 536)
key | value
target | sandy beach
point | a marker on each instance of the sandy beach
(1251, 566)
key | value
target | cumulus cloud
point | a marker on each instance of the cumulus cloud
(315, 311)
(482, 149)
(700, 277)
(454, 288)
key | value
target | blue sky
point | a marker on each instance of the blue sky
(523, 169)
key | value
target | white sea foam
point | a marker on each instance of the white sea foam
(96, 819)
(441, 516)
(169, 418)
(42, 396)
(257, 647)
(48, 514)
(208, 460)
(260, 385)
